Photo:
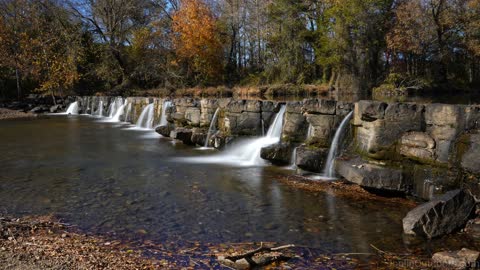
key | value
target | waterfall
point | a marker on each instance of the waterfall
(163, 119)
(73, 108)
(293, 159)
(146, 117)
(119, 112)
(212, 126)
(115, 107)
(332, 153)
(100, 108)
(246, 153)
(263, 128)
(310, 131)
(129, 111)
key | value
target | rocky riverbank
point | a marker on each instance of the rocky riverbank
(15, 114)
(45, 243)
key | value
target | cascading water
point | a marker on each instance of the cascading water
(100, 108)
(114, 107)
(212, 126)
(129, 111)
(246, 153)
(119, 112)
(73, 108)
(263, 128)
(146, 117)
(163, 119)
(332, 153)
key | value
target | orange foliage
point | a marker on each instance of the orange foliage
(196, 39)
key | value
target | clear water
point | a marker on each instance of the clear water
(109, 180)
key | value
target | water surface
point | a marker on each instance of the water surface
(106, 178)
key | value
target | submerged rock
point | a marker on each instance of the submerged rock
(311, 159)
(440, 216)
(277, 153)
(371, 175)
(462, 259)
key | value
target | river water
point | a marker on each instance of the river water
(106, 178)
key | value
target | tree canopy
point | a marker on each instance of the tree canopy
(88, 46)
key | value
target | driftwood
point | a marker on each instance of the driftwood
(258, 257)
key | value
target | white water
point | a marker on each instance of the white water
(163, 119)
(213, 123)
(129, 111)
(146, 117)
(293, 159)
(332, 153)
(115, 107)
(246, 153)
(73, 108)
(119, 112)
(100, 108)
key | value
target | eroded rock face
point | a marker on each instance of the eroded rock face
(418, 146)
(192, 115)
(322, 129)
(182, 134)
(462, 259)
(311, 159)
(440, 216)
(470, 160)
(295, 125)
(277, 153)
(380, 125)
(430, 181)
(198, 137)
(372, 175)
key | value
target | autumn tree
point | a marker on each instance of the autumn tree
(197, 42)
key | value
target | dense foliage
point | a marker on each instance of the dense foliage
(54, 46)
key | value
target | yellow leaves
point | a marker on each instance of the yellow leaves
(196, 38)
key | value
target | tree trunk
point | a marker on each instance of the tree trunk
(19, 89)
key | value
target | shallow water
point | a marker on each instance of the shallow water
(107, 178)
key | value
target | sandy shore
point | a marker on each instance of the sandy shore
(14, 114)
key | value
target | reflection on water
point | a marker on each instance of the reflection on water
(107, 179)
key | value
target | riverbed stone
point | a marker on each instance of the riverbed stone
(459, 260)
(441, 215)
(372, 176)
(279, 153)
(431, 181)
(311, 159)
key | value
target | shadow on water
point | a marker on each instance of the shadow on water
(109, 180)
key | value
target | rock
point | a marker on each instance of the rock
(192, 115)
(319, 106)
(295, 126)
(418, 146)
(371, 175)
(470, 160)
(199, 137)
(165, 130)
(280, 154)
(440, 216)
(381, 125)
(322, 128)
(182, 134)
(473, 228)
(40, 109)
(462, 259)
(55, 108)
(311, 159)
(430, 181)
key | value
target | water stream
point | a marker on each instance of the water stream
(146, 117)
(213, 124)
(72, 108)
(329, 170)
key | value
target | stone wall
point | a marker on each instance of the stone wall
(425, 149)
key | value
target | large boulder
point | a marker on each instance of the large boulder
(372, 175)
(459, 260)
(440, 216)
(165, 130)
(182, 134)
(277, 153)
(311, 158)
(192, 115)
